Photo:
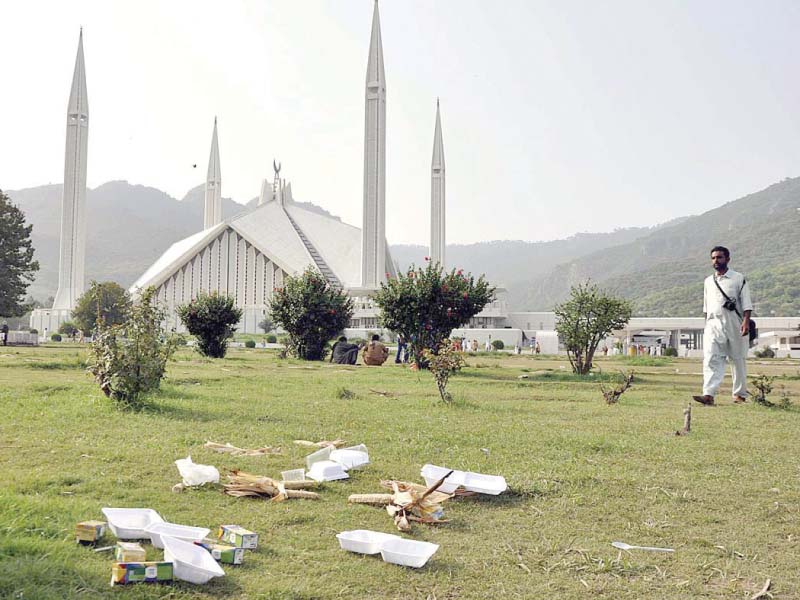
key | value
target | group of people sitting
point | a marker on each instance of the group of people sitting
(374, 353)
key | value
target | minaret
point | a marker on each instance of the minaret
(73, 203)
(437, 194)
(373, 233)
(213, 207)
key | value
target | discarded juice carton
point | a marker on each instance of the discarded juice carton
(89, 532)
(238, 536)
(224, 553)
(129, 552)
(141, 572)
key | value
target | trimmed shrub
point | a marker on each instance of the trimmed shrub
(68, 328)
(425, 305)
(55, 337)
(272, 339)
(671, 351)
(249, 344)
(212, 319)
(311, 311)
(498, 344)
(34, 331)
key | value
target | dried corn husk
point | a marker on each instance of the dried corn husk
(374, 499)
(408, 502)
(418, 487)
(321, 444)
(234, 451)
(245, 484)
(300, 485)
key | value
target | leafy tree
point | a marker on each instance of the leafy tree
(212, 319)
(312, 312)
(585, 318)
(68, 328)
(130, 359)
(425, 305)
(266, 325)
(16, 258)
(107, 301)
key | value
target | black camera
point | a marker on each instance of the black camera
(730, 304)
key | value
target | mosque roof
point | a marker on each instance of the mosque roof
(292, 236)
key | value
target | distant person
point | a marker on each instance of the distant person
(488, 345)
(533, 345)
(4, 330)
(344, 353)
(375, 353)
(538, 348)
(727, 305)
(474, 345)
(402, 350)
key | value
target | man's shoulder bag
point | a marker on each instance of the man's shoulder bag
(730, 304)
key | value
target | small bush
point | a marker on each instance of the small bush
(272, 339)
(68, 328)
(130, 359)
(765, 352)
(55, 337)
(311, 311)
(212, 319)
(444, 364)
(35, 331)
(249, 344)
(671, 352)
(345, 394)
(498, 344)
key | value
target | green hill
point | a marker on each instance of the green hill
(662, 272)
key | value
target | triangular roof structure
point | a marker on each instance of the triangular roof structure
(291, 236)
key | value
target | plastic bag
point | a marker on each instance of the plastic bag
(194, 474)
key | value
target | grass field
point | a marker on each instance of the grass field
(581, 475)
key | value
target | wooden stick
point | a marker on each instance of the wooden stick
(764, 593)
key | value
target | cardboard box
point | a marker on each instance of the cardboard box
(224, 553)
(89, 532)
(238, 536)
(141, 572)
(129, 552)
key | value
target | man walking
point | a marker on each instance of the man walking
(727, 305)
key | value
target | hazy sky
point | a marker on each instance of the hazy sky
(558, 116)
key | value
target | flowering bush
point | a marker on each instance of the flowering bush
(312, 312)
(443, 365)
(212, 319)
(425, 305)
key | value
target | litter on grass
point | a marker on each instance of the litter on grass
(222, 552)
(141, 572)
(392, 548)
(158, 531)
(409, 503)
(191, 563)
(129, 552)
(238, 536)
(245, 484)
(234, 451)
(194, 474)
(624, 546)
(321, 444)
(89, 532)
(130, 523)
(473, 482)
(327, 470)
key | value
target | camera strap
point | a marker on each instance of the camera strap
(727, 298)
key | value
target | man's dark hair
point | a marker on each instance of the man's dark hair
(342, 338)
(722, 249)
(375, 337)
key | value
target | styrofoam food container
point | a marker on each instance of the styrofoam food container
(485, 484)
(294, 475)
(326, 470)
(130, 523)
(364, 541)
(182, 532)
(319, 455)
(408, 553)
(350, 458)
(189, 562)
(432, 473)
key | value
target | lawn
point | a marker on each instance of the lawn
(581, 475)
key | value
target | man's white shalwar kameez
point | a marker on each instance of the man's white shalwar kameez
(722, 338)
